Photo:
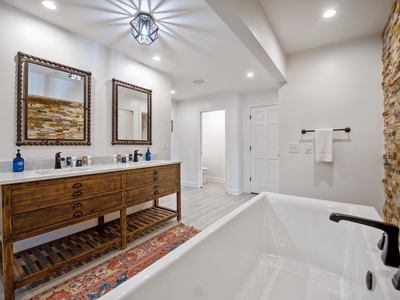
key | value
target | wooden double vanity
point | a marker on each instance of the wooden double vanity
(34, 205)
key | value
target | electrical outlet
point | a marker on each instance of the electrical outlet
(308, 148)
(293, 148)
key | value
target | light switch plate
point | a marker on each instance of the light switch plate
(308, 148)
(293, 148)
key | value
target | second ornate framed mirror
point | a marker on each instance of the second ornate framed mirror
(131, 114)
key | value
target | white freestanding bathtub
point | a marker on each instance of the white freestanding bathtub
(275, 247)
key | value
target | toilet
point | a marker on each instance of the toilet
(205, 171)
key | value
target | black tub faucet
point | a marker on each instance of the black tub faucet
(390, 254)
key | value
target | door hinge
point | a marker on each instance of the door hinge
(250, 148)
(250, 178)
(250, 117)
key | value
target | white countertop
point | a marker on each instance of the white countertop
(34, 175)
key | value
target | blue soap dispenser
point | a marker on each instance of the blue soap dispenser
(18, 163)
(148, 154)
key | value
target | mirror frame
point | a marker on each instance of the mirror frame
(22, 92)
(115, 141)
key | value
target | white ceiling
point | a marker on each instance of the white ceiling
(194, 43)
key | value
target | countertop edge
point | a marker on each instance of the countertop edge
(36, 175)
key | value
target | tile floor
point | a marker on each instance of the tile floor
(200, 208)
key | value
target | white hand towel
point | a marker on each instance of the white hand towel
(324, 145)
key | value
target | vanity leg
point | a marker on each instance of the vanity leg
(124, 228)
(8, 266)
(101, 221)
(178, 205)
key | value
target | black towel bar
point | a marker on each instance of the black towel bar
(347, 129)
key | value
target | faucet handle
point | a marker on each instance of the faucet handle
(396, 280)
(381, 242)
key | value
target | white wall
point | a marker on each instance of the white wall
(335, 86)
(22, 32)
(187, 127)
(213, 144)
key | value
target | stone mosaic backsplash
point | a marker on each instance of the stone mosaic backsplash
(391, 115)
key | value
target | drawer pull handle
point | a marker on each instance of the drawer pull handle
(76, 194)
(77, 185)
(155, 178)
(77, 205)
(156, 186)
(155, 172)
(156, 192)
(78, 214)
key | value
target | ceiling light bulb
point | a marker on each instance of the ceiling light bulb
(156, 58)
(172, 92)
(329, 13)
(250, 74)
(49, 4)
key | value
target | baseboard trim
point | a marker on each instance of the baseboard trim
(215, 179)
(189, 184)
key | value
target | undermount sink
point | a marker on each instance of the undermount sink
(142, 162)
(62, 171)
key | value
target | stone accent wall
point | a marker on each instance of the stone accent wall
(391, 115)
(49, 118)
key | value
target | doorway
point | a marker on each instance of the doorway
(264, 149)
(212, 154)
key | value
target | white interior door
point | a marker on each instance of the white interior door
(264, 149)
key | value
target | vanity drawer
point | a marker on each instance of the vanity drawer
(152, 175)
(151, 192)
(40, 194)
(71, 212)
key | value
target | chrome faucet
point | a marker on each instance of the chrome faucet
(390, 254)
(135, 155)
(58, 159)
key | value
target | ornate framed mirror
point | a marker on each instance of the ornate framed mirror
(53, 103)
(131, 114)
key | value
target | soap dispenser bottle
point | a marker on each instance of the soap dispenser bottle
(148, 154)
(18, 163)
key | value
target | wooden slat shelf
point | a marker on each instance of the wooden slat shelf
(33, 263)
(45, 259)
(147, 218)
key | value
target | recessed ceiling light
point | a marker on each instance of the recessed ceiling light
(156, 58)
(250, 74)
(172, 92)
(198, 81)
(49, 4)
(329, 13)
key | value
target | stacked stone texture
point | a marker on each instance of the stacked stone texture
(54, 119)
(391, 115)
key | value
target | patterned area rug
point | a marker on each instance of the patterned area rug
(99, 280)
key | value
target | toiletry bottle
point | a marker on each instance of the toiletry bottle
(148, 154)
(18, 163)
